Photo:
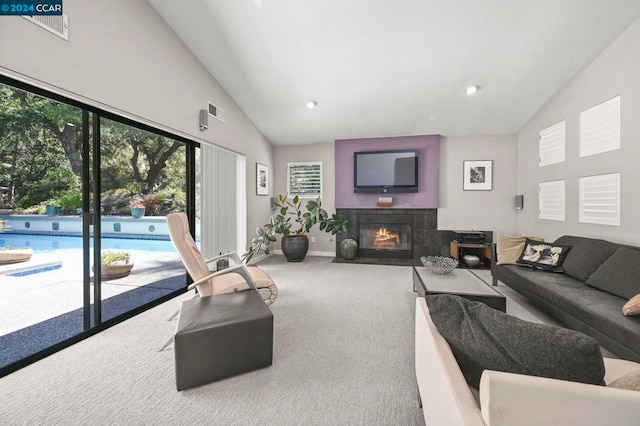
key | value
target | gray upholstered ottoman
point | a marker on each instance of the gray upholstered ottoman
(221, 336)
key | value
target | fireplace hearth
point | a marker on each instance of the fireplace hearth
(391, 236)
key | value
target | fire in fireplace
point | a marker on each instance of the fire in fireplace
(385, 239)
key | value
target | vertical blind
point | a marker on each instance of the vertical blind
(600, 199)
(551, 148)
(219, 201)
(600, 128)
(304, 179)
(551, 200)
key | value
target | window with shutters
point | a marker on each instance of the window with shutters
(600, 128)
(304, 179)
(551, 201)
(600, 199)
(551, 149)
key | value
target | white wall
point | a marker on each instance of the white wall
(121, 56)
(480, 210)
(324, 242)
(614, 72)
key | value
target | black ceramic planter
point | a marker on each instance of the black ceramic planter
(295, 248)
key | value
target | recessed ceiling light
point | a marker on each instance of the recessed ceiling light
(472, 89)
(312, 104)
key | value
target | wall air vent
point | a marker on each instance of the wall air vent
(216, 112)
(56, 24)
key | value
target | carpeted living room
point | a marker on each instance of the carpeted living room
(497, 138)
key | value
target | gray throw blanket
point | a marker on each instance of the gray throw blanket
(484, 338)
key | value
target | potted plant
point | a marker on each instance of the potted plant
(52, 210)
(9, 254)
(115, 264)
(137, 208)
(294, 241)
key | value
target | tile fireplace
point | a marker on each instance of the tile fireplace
(389, 236)
(392, 236)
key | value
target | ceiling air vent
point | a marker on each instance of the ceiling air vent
(216, 112)
(56, 24)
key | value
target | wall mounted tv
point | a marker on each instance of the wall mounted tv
(385, 171)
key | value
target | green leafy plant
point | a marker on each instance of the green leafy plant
(290, 213)
(69, 201)
(108, 257)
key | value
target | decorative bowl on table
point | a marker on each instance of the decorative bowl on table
(439, 264)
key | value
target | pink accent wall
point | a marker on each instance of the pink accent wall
(428, 172)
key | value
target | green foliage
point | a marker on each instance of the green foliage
(69, 201)
(110, 257)
(282, 224)
(41, 157)
(50, 186)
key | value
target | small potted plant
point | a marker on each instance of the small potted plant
(115, 264)
(137, 208)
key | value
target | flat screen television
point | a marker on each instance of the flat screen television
(385, 171)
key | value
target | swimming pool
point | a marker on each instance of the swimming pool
(51, 243)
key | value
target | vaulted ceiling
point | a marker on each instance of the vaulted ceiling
(392, 68)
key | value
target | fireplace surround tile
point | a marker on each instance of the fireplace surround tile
(426, 237)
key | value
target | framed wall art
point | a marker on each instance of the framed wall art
(262, 179)
(478, 175)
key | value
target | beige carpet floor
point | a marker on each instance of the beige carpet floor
(343, 355)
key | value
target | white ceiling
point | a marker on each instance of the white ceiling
(394, 68)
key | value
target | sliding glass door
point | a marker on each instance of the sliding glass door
(143, 177)
(83, 200)
(41, 259)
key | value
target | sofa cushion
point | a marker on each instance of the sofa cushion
(484, 338)
(620, 274)
(540, 255)
(577, 305)
(586, 255)
(510, 247)
(632, 307)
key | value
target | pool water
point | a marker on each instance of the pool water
(51, 243)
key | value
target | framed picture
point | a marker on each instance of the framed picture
(478, 175)
(262, 179)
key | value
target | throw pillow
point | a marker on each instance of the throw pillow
(620, 274)
(547, 256)
(482, 338)
(632, 307)
(630, 381)
(586, 255)
(510, 247)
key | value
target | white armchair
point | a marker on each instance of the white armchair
(237, 277)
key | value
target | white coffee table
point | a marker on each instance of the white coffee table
(461, 282)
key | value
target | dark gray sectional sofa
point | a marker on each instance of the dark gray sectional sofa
(585, 308)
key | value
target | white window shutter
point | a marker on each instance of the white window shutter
(551, 200)
(304, 179)
(600, 199)
(551, 148)
(600, 128)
